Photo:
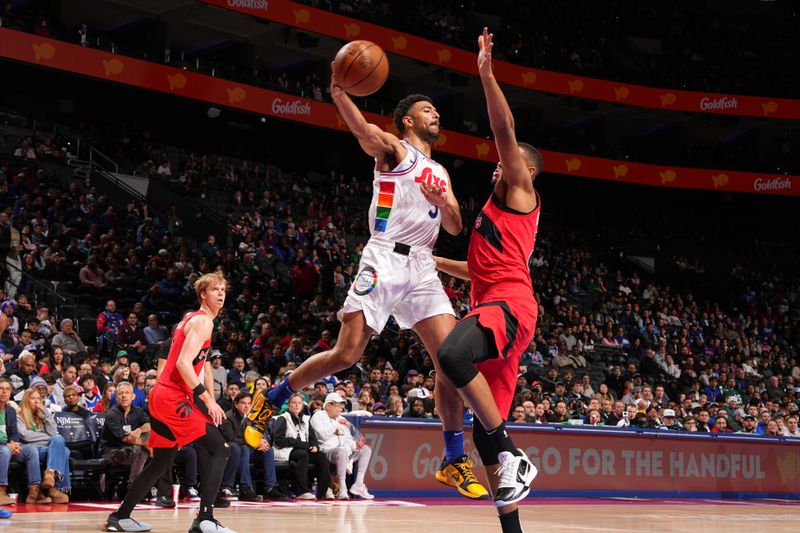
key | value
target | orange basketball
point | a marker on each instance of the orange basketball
(361, 68)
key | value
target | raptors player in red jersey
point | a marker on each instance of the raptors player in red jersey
(481, 356)
(183, 411)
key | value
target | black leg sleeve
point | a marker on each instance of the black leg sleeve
(161, 463)
(213, 444)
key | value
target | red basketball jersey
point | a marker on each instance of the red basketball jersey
(171, 377)
(500, 251)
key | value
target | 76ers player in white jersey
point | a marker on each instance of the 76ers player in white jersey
(412, 197)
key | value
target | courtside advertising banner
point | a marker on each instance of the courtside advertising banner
(406, 456)
(49, 53)
(346, 28)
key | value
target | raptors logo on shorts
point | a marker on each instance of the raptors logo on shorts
(183, 409)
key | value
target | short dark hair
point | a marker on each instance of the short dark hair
(532, 157)
(403, 107)
(242, 395)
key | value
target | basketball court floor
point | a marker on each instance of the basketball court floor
(432, 515)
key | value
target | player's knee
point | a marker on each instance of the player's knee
(483, 443)
(456, 363)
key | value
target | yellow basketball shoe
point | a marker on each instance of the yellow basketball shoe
(257, 419)
(458, 473)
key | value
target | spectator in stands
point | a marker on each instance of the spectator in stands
(21, 378)
(236, 373)
(772, 429)
(670, 420)
(68, 377)
(593, 418)
(155, 333)
(336, 442)
(25, 150)
(109, 326)
(394, 406)
(219, 372)
(68, 341)
(71, 403)
(296, 443)
(228, 401)
(132, 338)
(239, 461)
(104, 405)
(12, 449)
(38, 428)
(91, 393)
(123, 439)
(615, 416)
(92, 276)
(42, 387)
(791, 429)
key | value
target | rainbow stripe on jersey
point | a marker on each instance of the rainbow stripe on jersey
(384, 207)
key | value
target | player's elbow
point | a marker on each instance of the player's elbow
(504, 130)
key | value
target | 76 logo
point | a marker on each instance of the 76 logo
(430, 178)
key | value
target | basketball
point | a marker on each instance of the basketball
(361, 68)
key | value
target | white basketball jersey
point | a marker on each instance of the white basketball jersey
(399, 211)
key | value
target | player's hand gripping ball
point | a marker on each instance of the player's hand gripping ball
(360, 68)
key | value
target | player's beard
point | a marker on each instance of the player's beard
(429, 136)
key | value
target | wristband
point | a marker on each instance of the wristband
(197, 391)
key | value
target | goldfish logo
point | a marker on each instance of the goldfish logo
(620, 171)
(789, 466)
(440, 141)
(575, 86)
(399, 42)
(444, 55)
(176, 81)
(720, 180)
(113, 67)
(301, 16)
(667, 99)
(668, 176)
(43, 51)
(769, 107)
(621, 93)
(528, 78)
(483, 149)
(573, 164)
(351, 30)
(236, 95)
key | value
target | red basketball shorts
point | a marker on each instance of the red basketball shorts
(512, 322)
(175, 419)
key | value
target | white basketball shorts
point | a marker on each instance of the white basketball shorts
(390, 283)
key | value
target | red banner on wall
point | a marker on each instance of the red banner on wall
(405, 457)
(103, 65)
(326, 23)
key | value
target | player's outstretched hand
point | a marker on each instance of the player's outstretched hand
(217, 414)
(485, 52)
(434, 194)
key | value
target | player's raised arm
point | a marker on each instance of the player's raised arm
(372, 139)
(516, 171)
